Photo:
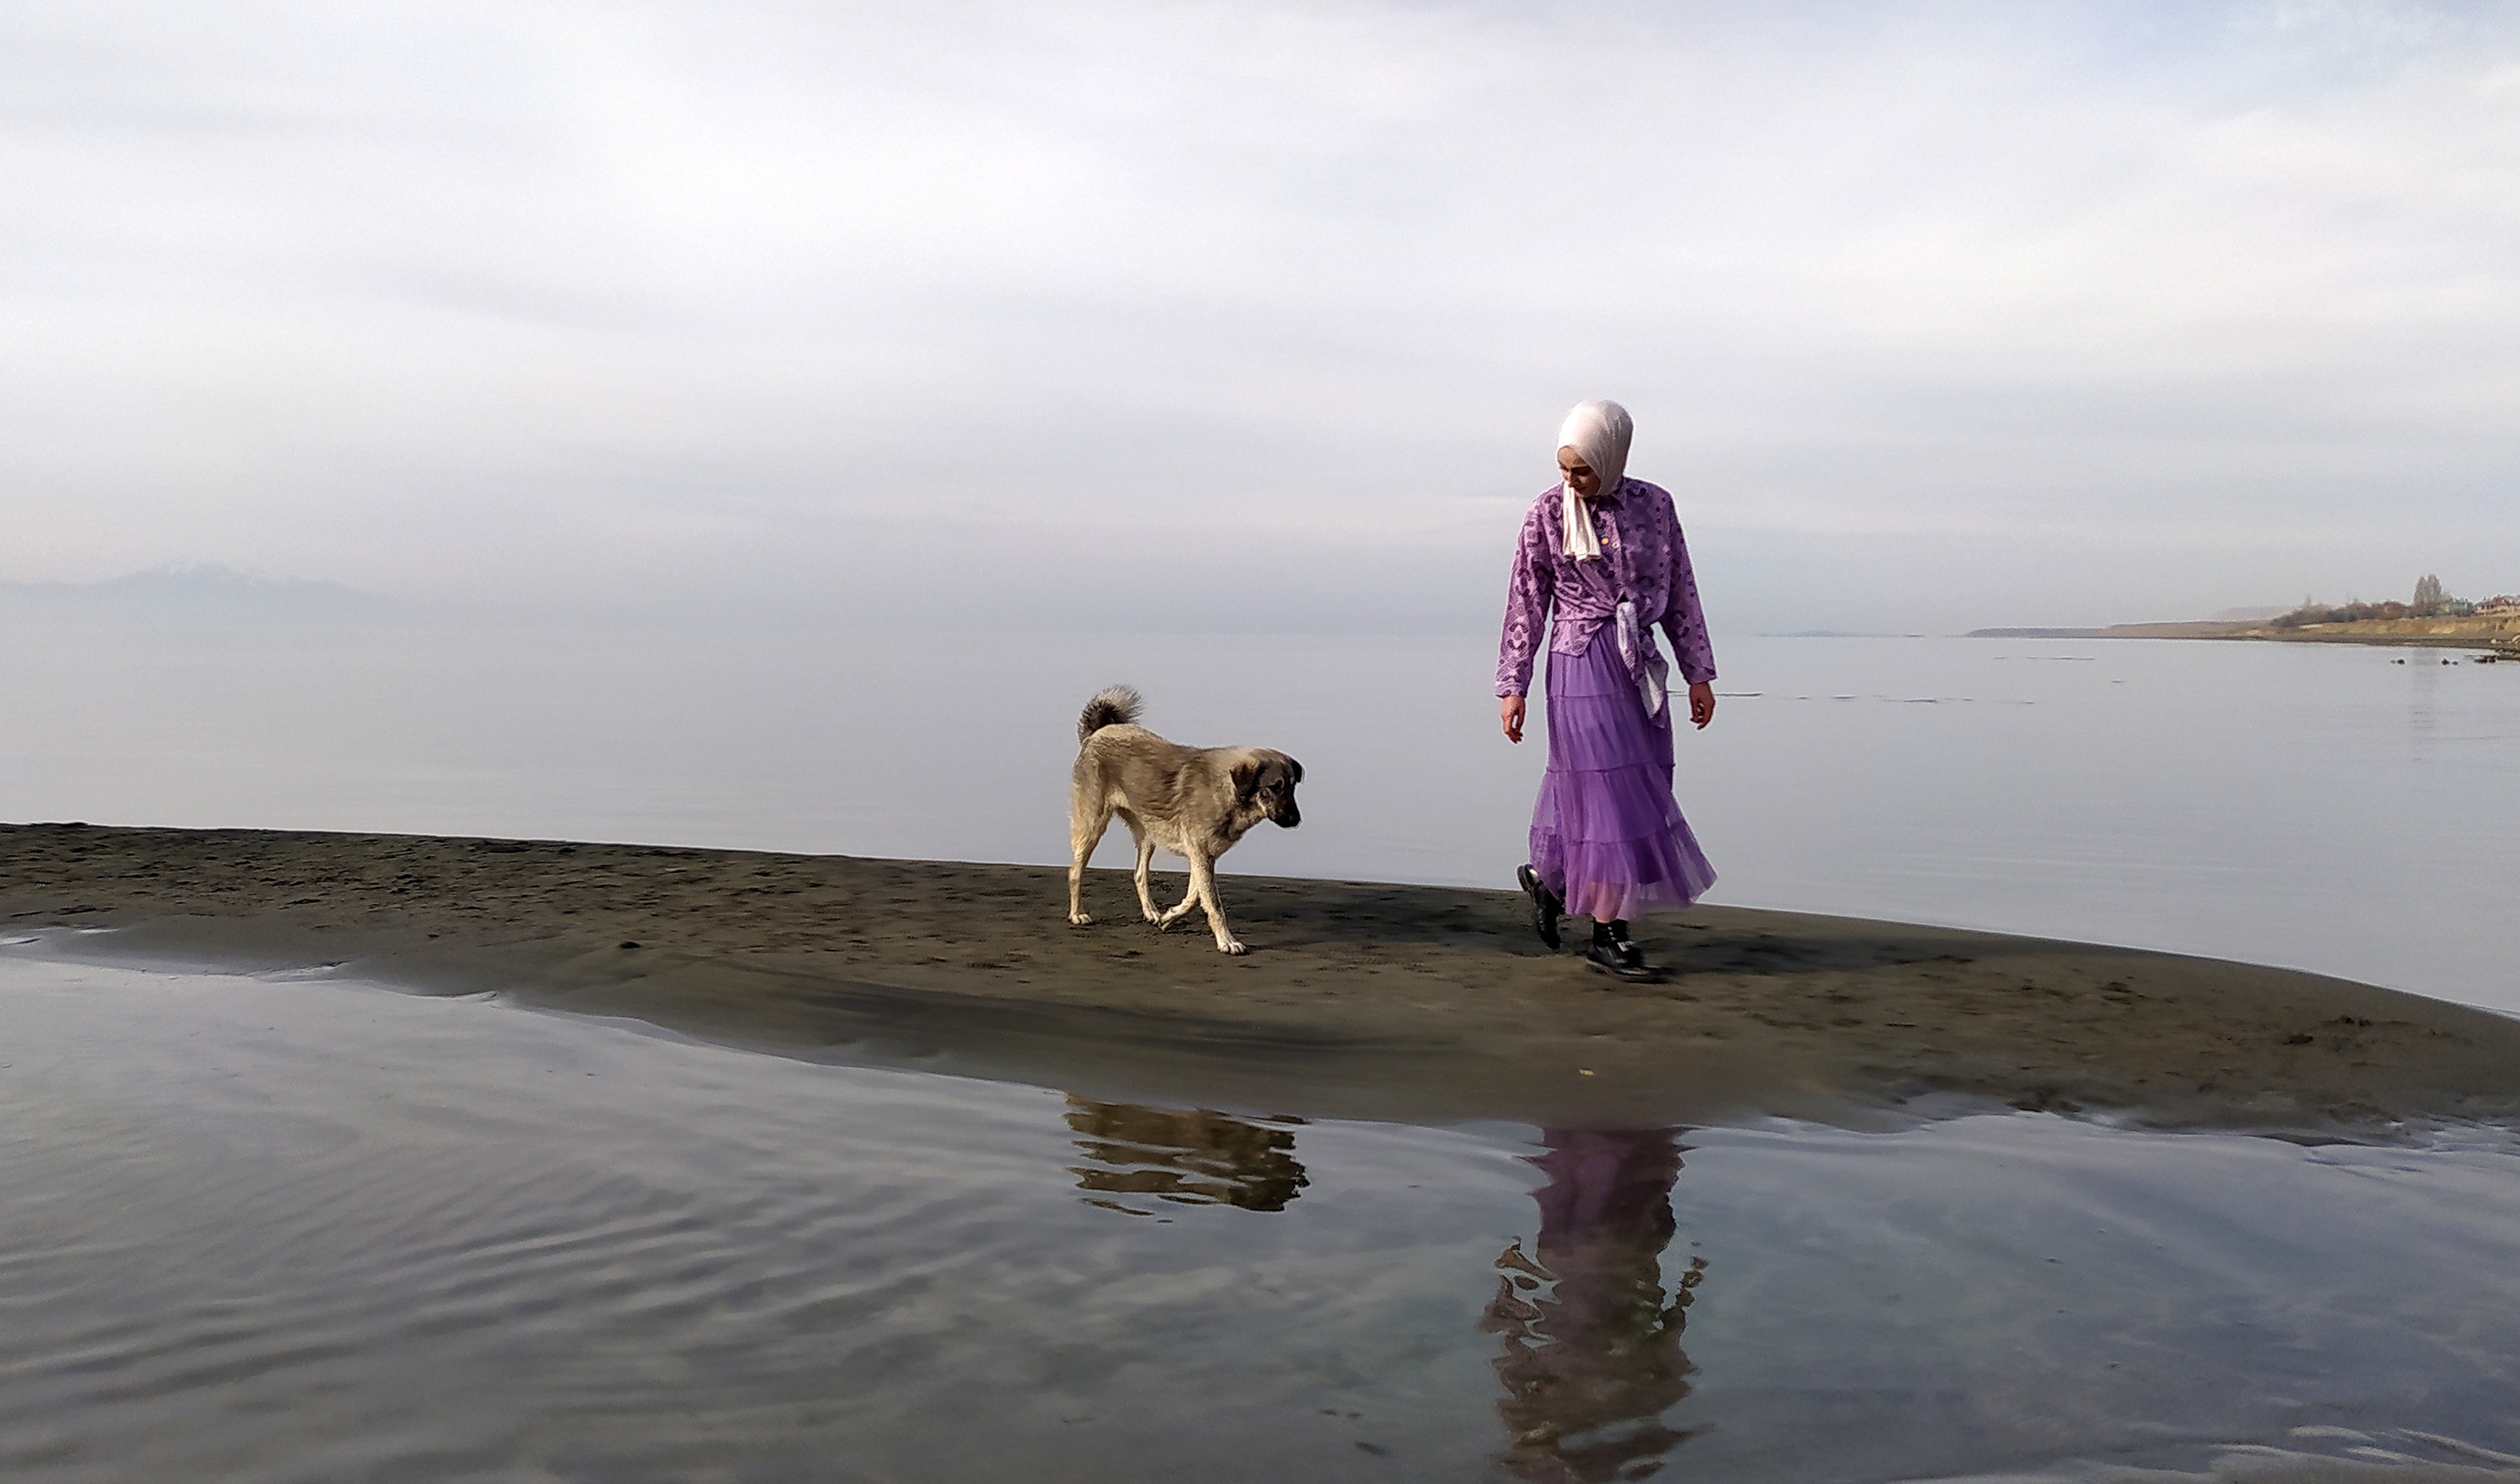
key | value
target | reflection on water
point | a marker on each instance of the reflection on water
(1592, 1343)
(1190, 1157)
(1592, 1355)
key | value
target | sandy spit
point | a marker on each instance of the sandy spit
(1357, 1000)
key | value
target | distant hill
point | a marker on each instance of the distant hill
(2199, 629)
(2032, 634)
(189, 594)
(2497, 631)
(1841, 634)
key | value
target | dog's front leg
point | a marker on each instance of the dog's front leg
(1181, 908)
(1202, 886)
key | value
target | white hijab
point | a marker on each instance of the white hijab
(1598, 432)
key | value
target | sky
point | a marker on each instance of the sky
(1261, 315)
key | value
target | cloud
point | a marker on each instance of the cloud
(1932, 314)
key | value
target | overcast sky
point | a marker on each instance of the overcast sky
(1930, 315)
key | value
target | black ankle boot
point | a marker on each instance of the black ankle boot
(1614, 953)
(1545, 907)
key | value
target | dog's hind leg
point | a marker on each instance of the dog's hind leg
(1085, 827)
(1202, 888)
(1146, 863)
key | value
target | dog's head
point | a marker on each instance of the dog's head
(1266, 778)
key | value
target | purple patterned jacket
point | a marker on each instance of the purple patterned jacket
(1643, 556)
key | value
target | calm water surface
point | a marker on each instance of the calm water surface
(302, 1229)
(305, 1229)
(2316, 807)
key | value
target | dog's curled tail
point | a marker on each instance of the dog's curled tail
(1111, 706)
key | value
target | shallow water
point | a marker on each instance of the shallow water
(2316, 807)
(280, 1228)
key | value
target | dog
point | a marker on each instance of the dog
(1195, 802)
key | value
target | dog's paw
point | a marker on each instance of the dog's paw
(1081, 918)
(1232, 945)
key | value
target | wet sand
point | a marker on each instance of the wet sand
(1357, 1000)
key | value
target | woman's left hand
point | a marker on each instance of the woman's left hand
(1702, 704)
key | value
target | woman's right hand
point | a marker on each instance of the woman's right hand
(1510, 713)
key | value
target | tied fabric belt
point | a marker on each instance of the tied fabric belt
(1637, 649)
(1644, 658)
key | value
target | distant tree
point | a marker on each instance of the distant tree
(2428, 596)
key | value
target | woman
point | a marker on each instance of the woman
(1607, 840)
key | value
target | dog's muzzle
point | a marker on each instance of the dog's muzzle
(1288, 818)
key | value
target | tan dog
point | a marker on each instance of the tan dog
(1193, 802)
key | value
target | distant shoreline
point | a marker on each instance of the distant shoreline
(1358, 999)
(2498, 633)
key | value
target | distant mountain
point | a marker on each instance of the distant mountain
(1841, 634)
(2202, 628)
(2185, 628)
(198, 594)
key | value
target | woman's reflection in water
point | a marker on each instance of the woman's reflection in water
(1591, 1349)
(1189, 1157)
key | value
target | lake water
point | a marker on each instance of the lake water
(293, 1229)
(2325, 808)
(301, 1228)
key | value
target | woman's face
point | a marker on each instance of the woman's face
(1578, 474)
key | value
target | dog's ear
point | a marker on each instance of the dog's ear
(1295, 769)
(1246, 779)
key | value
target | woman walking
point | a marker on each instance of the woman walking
(1607, 840)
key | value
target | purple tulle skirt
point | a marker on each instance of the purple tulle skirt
(1606, 834)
